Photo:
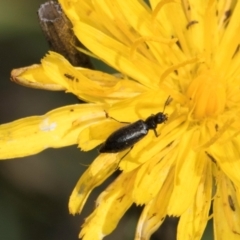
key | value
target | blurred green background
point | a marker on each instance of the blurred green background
(34, 191)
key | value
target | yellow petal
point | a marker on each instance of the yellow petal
(97, 133)
(102, 167)
(230, 40)
(141, 106)
(169, 134)
(193, 221)
(189, 165)
(34, 76)
(110, 207)
(31, 135)
(227, 154)
(226, 210)
(56, 73)
(155, 211)
(98, 42)
(151, 176)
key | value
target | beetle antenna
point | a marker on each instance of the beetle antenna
(168, 101)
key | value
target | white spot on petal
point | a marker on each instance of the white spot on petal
(45, 126)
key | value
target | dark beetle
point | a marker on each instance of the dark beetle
(127, 136)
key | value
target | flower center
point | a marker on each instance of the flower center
(207, 94)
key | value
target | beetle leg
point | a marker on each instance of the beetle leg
(107, 116)
(125, 155)
(155, 132)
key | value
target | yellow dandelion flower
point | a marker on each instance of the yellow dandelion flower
(188, 50)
